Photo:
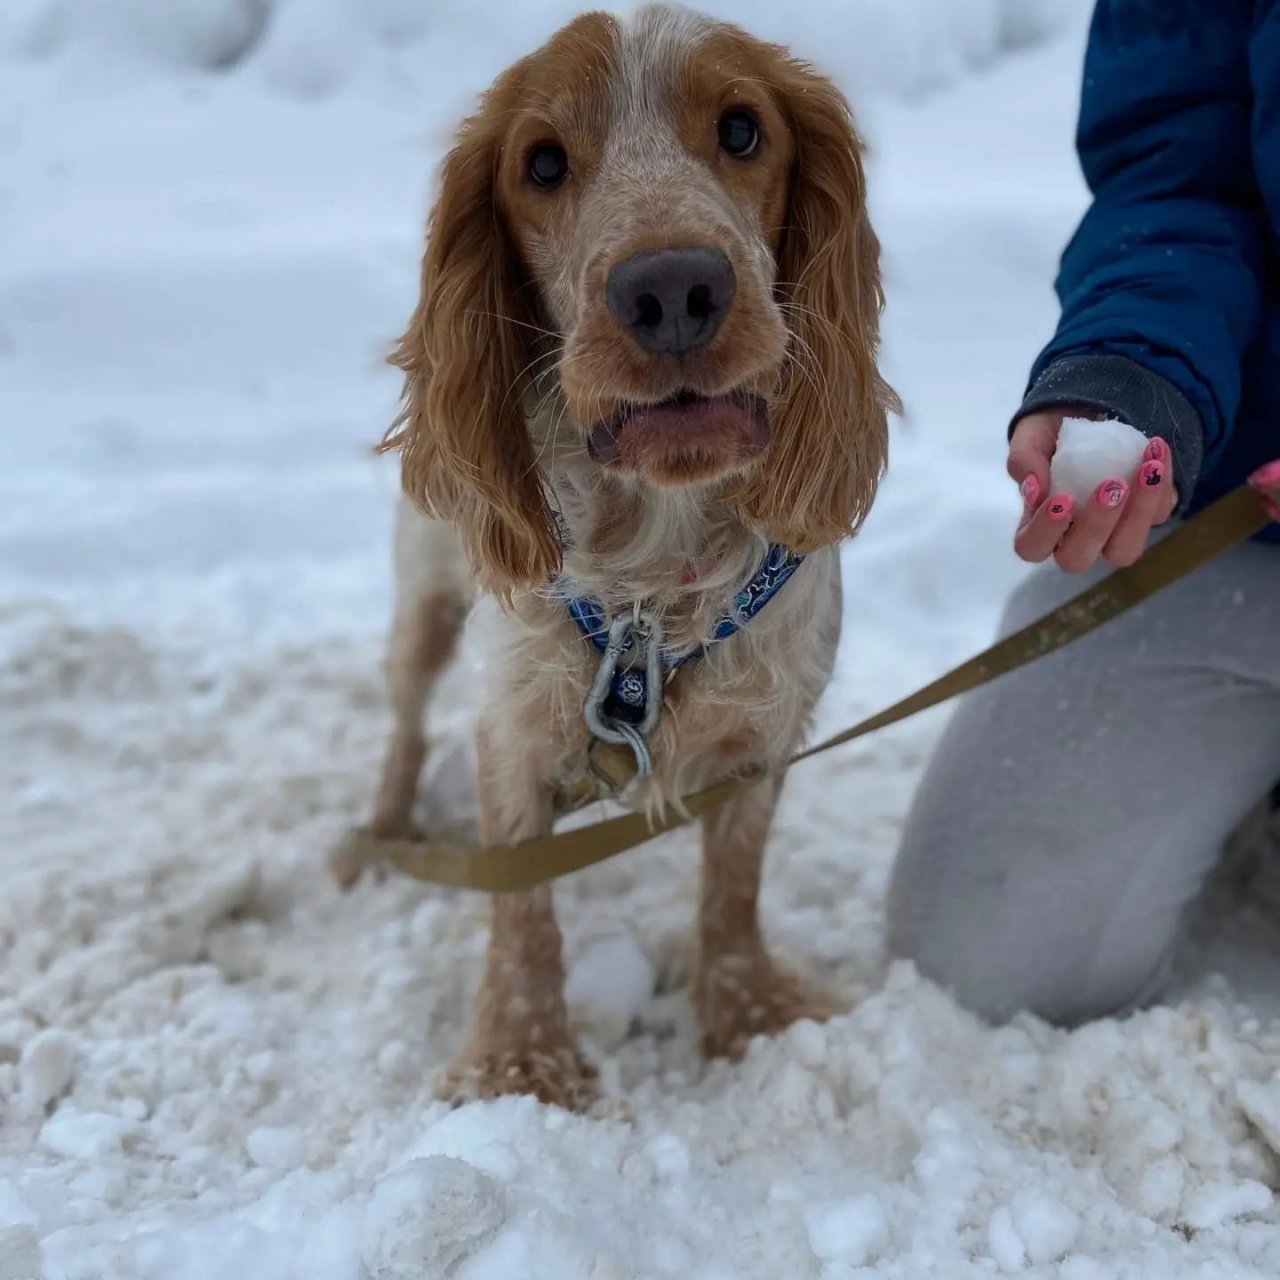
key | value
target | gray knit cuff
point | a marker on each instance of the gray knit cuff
(1124, 389)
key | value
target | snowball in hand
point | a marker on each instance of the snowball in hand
(1089, 453)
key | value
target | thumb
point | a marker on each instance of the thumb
(1031, 448)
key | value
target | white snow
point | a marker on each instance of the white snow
(1047, 1227)
(668, 1155)
(88, 1136)
(276, 1148)
(1261, 1103)
(212, 1062)
(428, 1217)
(1034, 1227)
(1089, 453)
(1217, 1203)
(47, 1067)
(1004, 1243)
(852, 1231)
(608, 985)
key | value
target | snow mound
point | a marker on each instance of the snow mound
(236, 1084)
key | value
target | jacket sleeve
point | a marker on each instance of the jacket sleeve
(1161, 286)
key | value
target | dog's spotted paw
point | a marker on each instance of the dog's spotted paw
(559, 1076)
(741, 996)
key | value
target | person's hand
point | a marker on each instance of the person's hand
(1266, 480)
(1116, 522)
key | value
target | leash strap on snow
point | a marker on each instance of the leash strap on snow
(1229, 522)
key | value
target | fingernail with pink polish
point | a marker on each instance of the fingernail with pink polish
(1152, 474)
(1155, 451)
(1266, 477)
(1030, 489)
(1060, 507)
(1112, 493)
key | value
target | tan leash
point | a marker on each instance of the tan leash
(1229, 522)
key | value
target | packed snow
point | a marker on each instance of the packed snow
(215, 1064)
(1090, 453)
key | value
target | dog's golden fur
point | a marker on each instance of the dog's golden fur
(512, 360)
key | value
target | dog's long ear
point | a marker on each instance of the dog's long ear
(465, 452)
(830, 431)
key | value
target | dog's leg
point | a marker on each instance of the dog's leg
(520, 1040)
(423, 638)
(738, 990)
(431, 607)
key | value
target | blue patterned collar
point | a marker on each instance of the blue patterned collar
(630, 684)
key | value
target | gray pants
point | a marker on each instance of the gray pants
(1073, 809)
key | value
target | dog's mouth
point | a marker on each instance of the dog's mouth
(684, 428)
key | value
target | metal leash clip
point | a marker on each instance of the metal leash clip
(636, 688)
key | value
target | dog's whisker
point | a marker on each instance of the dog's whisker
(520, 324)
(520, 377)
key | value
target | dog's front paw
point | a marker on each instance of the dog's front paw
(739, 996)
(556, 1074)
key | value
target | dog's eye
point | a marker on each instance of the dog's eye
(548, 165)
(739, 133)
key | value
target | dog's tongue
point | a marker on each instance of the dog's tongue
(675, 422)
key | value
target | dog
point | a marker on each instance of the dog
(641, 408)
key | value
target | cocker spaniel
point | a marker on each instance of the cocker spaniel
(641, 404)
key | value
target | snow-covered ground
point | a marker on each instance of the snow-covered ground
(212, 1063)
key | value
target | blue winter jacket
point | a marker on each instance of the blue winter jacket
(1170, 288)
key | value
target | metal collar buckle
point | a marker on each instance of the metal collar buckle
(626, 635)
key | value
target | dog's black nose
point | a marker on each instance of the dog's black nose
(672, 301)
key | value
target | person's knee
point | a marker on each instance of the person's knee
(998, 968)
(987, 982)
(1015, 984)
